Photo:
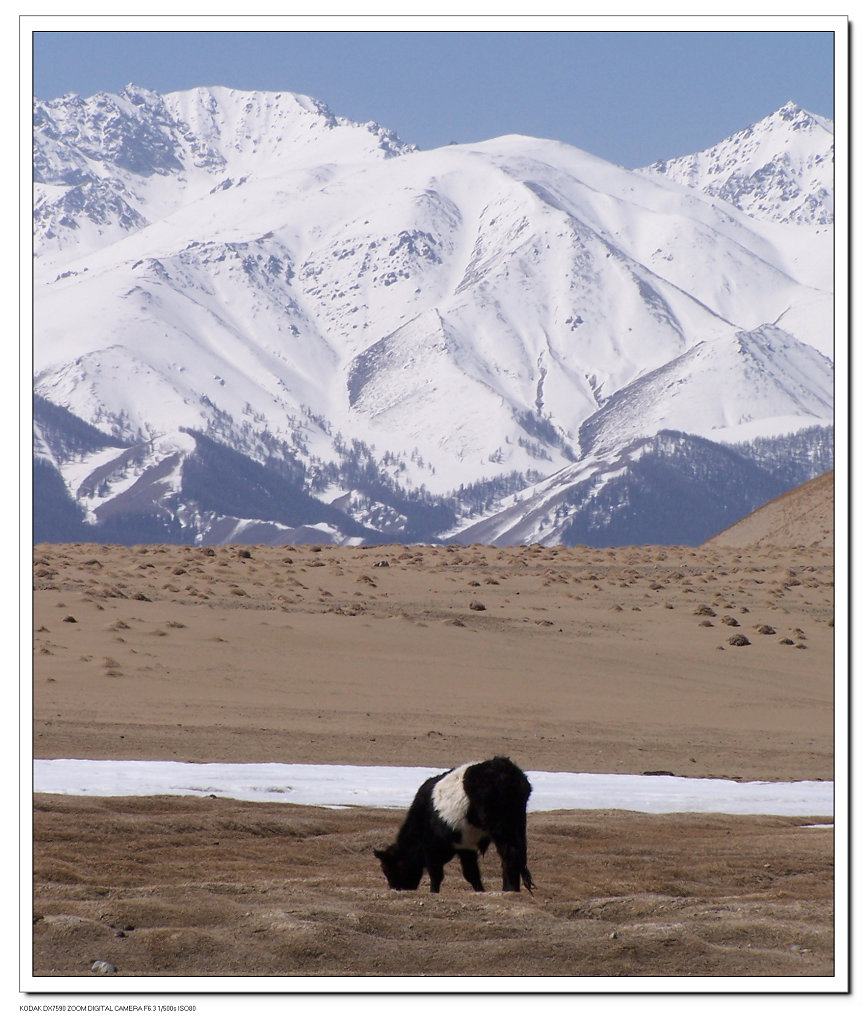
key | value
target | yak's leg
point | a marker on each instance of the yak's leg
(510, 841)
(470, 868)
(435, 873)
(511, 872)
(513, 856)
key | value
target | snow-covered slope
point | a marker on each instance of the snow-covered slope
(394, 330)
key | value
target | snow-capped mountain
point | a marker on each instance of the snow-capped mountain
(752, 170)
(256, 319)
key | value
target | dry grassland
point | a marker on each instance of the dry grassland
(565, 659)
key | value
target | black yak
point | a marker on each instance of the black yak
(461, 812)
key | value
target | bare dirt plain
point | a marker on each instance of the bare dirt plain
(565, 659)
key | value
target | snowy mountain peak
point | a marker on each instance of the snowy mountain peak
(139, 132)
(262, 124)
(109, 165)
(799, 119)
(778, 170)
(139, 96)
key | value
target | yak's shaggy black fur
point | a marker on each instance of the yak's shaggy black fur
(461, 812)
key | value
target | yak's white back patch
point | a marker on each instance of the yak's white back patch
(450, 799)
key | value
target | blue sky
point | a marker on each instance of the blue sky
(630, 97)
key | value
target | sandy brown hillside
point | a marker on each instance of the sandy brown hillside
(801, 517)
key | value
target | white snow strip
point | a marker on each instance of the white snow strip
(364, 786)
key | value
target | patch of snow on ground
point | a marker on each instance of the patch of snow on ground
(366, 786)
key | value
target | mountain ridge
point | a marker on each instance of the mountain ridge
(307, 289)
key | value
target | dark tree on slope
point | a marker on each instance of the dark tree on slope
(478, 497)
(793, 458)
(65, 434)
(227, 483)
(57, 518)
(426, 515)
(683, 491)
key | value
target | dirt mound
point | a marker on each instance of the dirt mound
(803, 517)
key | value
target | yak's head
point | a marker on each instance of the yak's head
(401, 871)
